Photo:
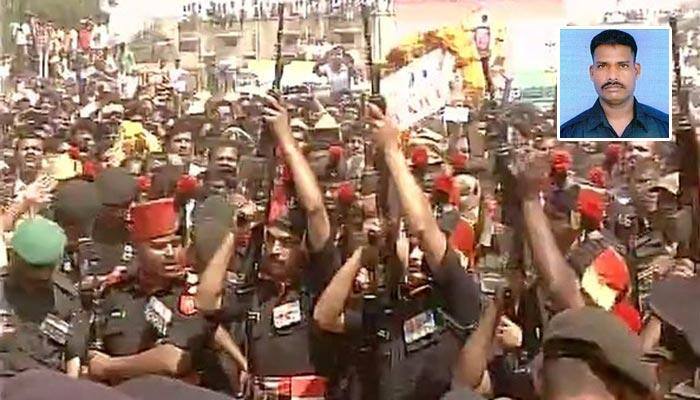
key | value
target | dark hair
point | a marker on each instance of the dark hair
(614, 37)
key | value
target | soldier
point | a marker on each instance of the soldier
(286, 355)
(419, 328)
(75, 208)
(116, 190)
(41, 303)
(152, 326)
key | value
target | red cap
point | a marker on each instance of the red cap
(336, 153)
(591, 205)
(444, 183)
(597, 176)
(345, 193)
(153, 219)
(561, 161)
(419, 157)
(612, 269)
(458, 160)
(144, 183)
(186, 185)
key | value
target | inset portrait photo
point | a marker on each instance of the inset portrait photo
(614, 83)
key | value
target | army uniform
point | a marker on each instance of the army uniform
(135, 322)
(288, 357)
(42, 323)
(417, 338)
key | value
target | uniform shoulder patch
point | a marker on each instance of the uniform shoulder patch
(186, 304)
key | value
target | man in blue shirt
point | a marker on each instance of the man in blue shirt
(616, 114)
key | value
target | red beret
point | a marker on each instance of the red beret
(186, 185)
(444, 183)
(591, 204)
(153, 219)
(597, 176)
(419, 157)
(561, 161)
(345, 194)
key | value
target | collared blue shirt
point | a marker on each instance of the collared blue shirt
(647, 123)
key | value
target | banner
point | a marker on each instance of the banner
(419, 89)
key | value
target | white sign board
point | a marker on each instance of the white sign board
(419, 89)
(456, 114)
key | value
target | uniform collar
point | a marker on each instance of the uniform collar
(597, 116)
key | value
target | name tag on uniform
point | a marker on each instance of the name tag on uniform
(419, 327)
(287, 314)
(55, 329)
(158, 315)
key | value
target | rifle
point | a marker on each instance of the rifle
(279, 63)
(374, 73)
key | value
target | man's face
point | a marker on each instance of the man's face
(614, 73)
(181, 144)
(30, 153)
(160, 258)
(637, 152)
(85, 141)
(283, 257)
(217, 187)
(546, 145)
(356, 145)
(642, 181)
(35, 279)
(226, 159)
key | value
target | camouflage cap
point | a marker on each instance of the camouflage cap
(39, 242)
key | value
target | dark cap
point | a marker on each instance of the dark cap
(615, 345)
(158, 387)
(77, 202)
(116, 187)
(44, 384)
(664, 302)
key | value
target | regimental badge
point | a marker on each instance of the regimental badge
(287, 314)
(158, 315)
(186, 305)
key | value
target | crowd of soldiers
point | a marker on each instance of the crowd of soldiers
(285, 246)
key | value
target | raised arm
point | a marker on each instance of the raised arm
(474, 355)
(307, 189)
(415, 205)
(329, 313)
(211, 280)
(558, 278)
